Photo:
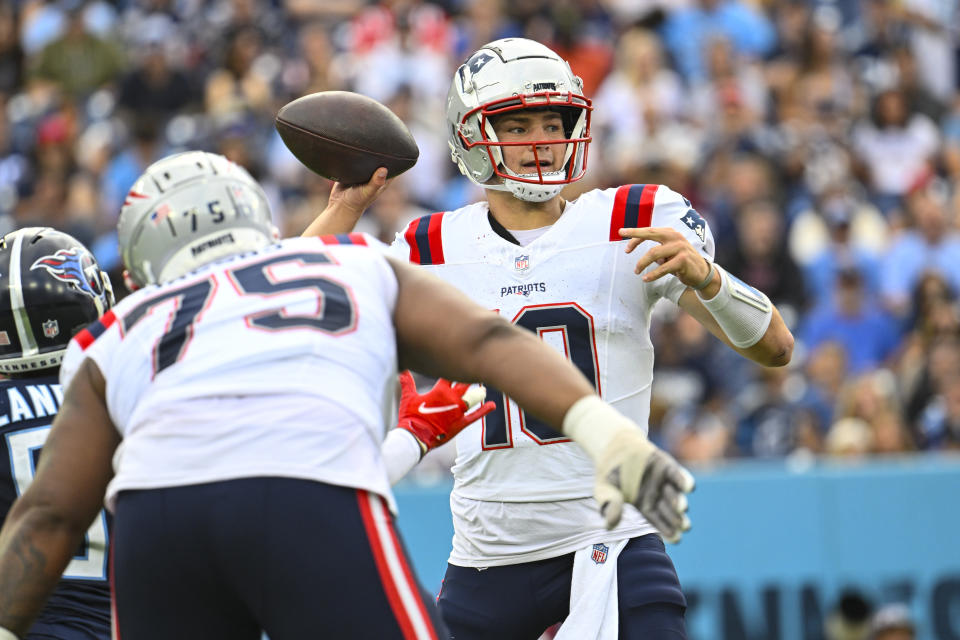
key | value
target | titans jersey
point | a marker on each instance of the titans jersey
(280, 362)
(80, 606)
(575, 287)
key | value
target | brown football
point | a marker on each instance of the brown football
(345, 136)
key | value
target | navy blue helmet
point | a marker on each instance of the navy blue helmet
(51, 287)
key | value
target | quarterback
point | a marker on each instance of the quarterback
(528, 548)
(232, 409)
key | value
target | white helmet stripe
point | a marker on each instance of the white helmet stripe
(28, 344)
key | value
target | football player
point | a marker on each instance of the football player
(528, 549)
(232, 409)
(50, 288)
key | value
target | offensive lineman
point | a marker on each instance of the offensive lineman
(232, 410)
(519, 126)
(50, 288)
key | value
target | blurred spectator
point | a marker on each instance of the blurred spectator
(146, 147)
(731, 101)
(922, 397)
(873, 399)
(931, 242)
(582, 38)
(727, 183)
(761, 260)
(849, 438)
(826, 371)
(825, 81)
(11, 54)
(933, 39)
(849, 619)
(896, 147)
(922, 100)
(688, 28)
(868, 334)
(238, 90)
(410, 46)
(154, 87)
(78, 61)
(694, 426)
(315, 68)
(481, 22)
(639, 96)
(845, 231)
(773, 418)
(939, 424)
(892, 622)
(890, 433)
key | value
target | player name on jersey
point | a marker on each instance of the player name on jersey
(31, 401)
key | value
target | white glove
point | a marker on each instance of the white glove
(6, 634)
(630, 468)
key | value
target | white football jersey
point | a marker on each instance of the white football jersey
(574, 286)
(280, 362)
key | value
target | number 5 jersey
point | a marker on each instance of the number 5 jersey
(81, 602)
(522, 491)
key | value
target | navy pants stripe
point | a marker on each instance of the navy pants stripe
(295, 558)
(521, 601)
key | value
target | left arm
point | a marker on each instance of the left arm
(46, 525)
(677, 256)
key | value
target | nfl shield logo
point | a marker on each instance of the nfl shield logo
(51, 328)
(599, 553)
(522, 263)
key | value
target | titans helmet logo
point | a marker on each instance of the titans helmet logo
(75, 267)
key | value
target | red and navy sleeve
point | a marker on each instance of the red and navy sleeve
(89, 335)
(425, 240)
(632, 208)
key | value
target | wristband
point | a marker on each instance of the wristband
(594, 424)
(401, 452)
(707, 280)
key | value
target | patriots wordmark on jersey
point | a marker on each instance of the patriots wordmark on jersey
(574, 286)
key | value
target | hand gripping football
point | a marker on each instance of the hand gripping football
(345, 136)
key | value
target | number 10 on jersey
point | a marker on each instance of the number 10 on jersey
(567, 327)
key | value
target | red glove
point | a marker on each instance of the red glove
(441, 413)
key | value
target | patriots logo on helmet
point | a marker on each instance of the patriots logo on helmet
(478, 60)
(74, 266)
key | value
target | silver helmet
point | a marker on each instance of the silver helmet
(508, 75)
(187, 210)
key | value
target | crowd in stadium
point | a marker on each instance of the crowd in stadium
(820, 140)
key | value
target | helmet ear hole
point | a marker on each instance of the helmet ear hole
(455, 135)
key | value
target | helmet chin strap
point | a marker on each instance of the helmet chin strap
(529, 192)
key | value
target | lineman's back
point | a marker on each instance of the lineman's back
(279, 362)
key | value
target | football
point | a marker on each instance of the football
(345, 136)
